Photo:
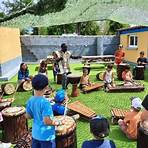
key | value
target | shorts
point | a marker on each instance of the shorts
(43, 144)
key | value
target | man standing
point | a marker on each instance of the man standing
(119, 55)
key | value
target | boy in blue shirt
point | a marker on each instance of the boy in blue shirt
(38, 108)
(99, 127)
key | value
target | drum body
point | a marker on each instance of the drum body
(139, 73)
(5, 103)
(142, 138)
(120, 69)
(8, 88)
(99, 76)
(73, 79)
(59, 78)
(25, 86)
(14, 124)
(66, 134)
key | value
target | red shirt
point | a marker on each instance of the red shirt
(119, 55)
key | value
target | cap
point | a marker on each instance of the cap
(60, 96)
(136, 103)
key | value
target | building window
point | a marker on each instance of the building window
(133, 39)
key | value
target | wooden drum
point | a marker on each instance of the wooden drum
(14, 124)
(74, 80)
(99, 76)
(120, 69)
(25, 86)
(66, 134)
(5, 103)
(139, 73)
(8, 88)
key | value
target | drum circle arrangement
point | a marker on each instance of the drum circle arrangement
(14, 124)
(66, 134)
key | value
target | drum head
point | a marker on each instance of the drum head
(68, 127)
(74, 79)
(9, 89)
(13, 111)
(27, 86)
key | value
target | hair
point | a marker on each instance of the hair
(63, 46)
(39, 82)
(21, 69)
(142, 52)
(85, 70)
(43, 63)
(110, 66)
(121, 46)
(99, 127)
(127, 67)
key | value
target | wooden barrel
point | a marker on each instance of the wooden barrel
(66, 134)
(8, 88)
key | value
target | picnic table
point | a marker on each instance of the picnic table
(101, 59)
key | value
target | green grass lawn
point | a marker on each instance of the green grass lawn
(100, 101)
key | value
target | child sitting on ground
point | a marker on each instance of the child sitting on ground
(99, 127)
(39, 108)
(108, 77)
(84, 81)
(131, 119)
(43, 68)
(127, 76)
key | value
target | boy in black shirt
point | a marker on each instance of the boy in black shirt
(142, 61)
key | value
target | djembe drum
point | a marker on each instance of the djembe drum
(8, 88)
(25, 86)
(99, 76)
(139, 73)
(74, 80)
(66, 134)
(14, 124)
(120, 69)
(5, 103)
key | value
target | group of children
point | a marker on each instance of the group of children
(42, 110)
(43, 129)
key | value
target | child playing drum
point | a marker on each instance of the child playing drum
(39, 108)
(99, 127)
(23, 73)
(84, 81)
(127, 76)
(108, 77)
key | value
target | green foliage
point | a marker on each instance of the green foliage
(114, 26)
(62, 29)
(42, 31)
(15, 5)
(90, 28)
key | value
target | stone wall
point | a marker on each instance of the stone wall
(35, 48)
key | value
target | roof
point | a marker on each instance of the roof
(125, 11)
(133, 29)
